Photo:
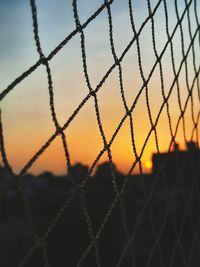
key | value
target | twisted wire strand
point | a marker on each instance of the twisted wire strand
(41, 241)
(53, 137)
(103, 150)
(26, 73)
(85, 70)
(128, 175)
(154, 183)
(20, 186)
(181, 171)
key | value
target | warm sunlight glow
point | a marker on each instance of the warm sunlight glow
(148, 164)
(27, 111)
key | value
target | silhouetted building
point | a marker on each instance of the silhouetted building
(77, 172)
(146, 205)
(107, 174)
(177, 165)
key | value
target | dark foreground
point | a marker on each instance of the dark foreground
(158, 214)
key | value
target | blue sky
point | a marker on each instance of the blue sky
(56, 21)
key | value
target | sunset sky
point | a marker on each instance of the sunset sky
(26, 113)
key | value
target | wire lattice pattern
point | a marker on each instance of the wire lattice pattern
(146, 223)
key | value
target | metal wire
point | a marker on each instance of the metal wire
(192, 84)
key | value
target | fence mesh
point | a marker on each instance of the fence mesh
(140, 220)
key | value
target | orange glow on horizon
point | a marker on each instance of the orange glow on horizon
(148, 164)
(25, 135)
(27, 108)
(84, 148)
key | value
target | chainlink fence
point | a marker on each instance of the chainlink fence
(127, 220)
